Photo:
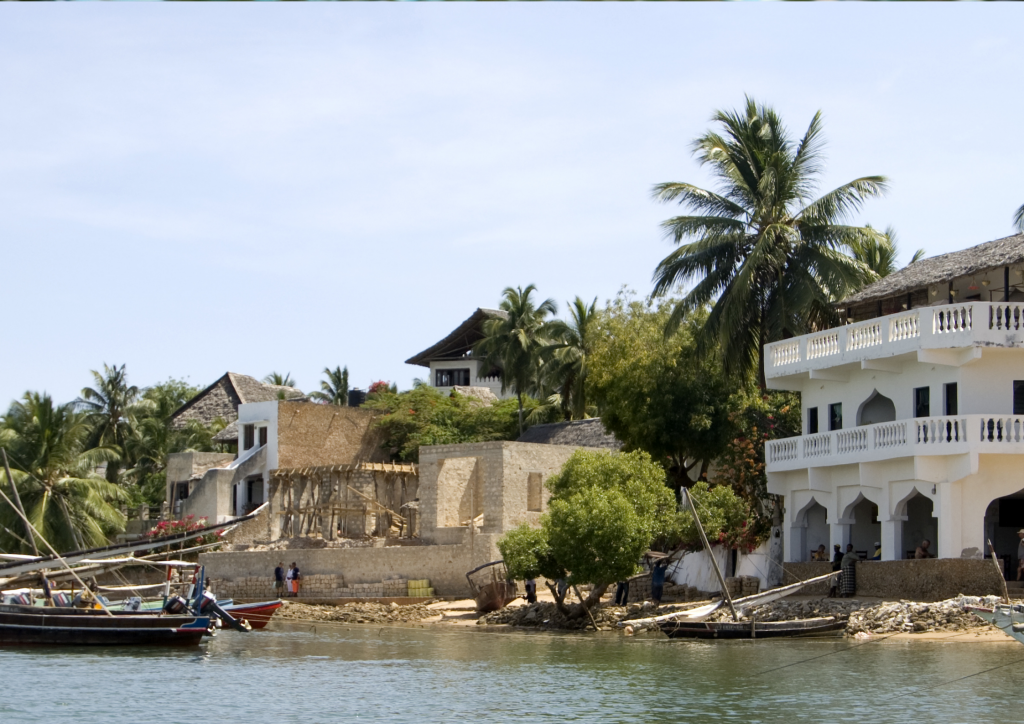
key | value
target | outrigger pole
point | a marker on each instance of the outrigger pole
(711, 554)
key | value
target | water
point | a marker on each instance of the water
(295, 673)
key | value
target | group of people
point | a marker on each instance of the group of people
(287, 583)
(846, 582)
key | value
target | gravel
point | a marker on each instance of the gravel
(356, 612)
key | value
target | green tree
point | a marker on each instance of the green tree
(605, 511)
(514, 344)
(727, 518)
(656, 393)
(334, 389)
(567, 355)
(424, 416)
(767, 259)
(54, 468)
(880, 254)
(1018, 220)
(276, 378)
(112, 409)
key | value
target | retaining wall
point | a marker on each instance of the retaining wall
(934, 579)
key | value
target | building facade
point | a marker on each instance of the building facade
(913, 413)
(452, 362)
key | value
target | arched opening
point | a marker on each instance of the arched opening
(866, 529)
(919, 525)
(1003, 518)
(810, 530)
(877, 408)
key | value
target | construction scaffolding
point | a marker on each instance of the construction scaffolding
(346, 501)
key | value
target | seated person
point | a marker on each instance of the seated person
(922, 550)
(877, 555)
(821, 554)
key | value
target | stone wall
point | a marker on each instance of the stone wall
(445, 566)
(318, 585)
(309, 435)
(928, 580)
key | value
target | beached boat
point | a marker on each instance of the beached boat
(27, 625)
(1008, 618)
(490, 586)
(257, 614)
(751, 629)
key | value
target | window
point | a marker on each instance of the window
(534, 499)
(1018, 397)
(263, 436)
(450, 378)
(249, 438)
(835, 416)
(812, 420)
(922, 402)
(951, 403)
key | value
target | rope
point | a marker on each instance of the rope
(953, 681)
(830, 653)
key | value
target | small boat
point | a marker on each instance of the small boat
(257, 614)
(751, 629)
(23, 625)
(491, 587)
(1008, 618)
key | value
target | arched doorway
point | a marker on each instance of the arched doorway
(919, 525)
(810, 530)
(877, 408)
(866, 529)
(1003, 518)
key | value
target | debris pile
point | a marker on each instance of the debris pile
(356, 612)
(913, 617)
(788, 610)
(545, 614)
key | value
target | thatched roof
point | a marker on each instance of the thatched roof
(581, 433)
(222, 398)
(229, 435)
(942, 269)
(460, 341)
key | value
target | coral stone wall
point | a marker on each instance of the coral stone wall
(309, 434)
(934, 579)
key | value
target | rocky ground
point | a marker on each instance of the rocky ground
(381, 613)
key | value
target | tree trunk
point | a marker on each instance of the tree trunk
(519, 396)
(577, 610)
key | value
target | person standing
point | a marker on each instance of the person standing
(279, 580)
(837, 565)
(531, 591)
(296, 579)
(848, 585)
(658, 580)
(622, 593)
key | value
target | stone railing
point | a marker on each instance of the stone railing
(951, 435)
(947, 326)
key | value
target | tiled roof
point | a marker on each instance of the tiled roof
(581, 433)
(941, 269)
(460, 340)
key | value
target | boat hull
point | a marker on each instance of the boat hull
(29, 625)
(257, 614)
(751, 630)
(1007, 618)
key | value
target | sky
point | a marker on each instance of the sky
(189, 190)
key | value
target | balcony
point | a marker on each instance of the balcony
(950, 326)
(954, 435)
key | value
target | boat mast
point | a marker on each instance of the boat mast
(711, 554)
(17, 499)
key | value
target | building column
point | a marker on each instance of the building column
(839, 532)
(892, 538)
(949, 513)
(796, 543)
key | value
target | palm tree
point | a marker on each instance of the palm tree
(880, 254)
(1018, 220)
(567, 355)
(112, 409)
(276, 378)
(767, 259)
(513, 344)
(333, 390)
(54, 468)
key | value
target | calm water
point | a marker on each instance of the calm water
(293, 673)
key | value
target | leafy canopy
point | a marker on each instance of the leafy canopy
(605, 510)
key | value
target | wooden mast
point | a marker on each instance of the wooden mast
(17, 499)
(711, 554)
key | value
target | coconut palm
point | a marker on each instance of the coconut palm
(54, 468)
(333, 390)
(112, 410)
(880, 254)
(567, 357)
(276, 378)
(766, 258)
(514, 344)
(1018, 220)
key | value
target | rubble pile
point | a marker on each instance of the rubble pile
(545, 614)
(788, 610)
(356, 612)
(913, 617)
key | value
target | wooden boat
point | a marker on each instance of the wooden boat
(257, 614)
(490, 586)
(751, 629)
(25, 625)
(1008, 618)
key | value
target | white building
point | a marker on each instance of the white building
(913, 413)
(452, 362)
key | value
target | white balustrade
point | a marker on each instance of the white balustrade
(1001, 429)
(1006, 316)
(866, 334)
(784, 353)
(823, 345)
(939, 430)
(952, 318)
(848, 441)
(889, 434)
(781, 450)
(904, 326)
(816, 446)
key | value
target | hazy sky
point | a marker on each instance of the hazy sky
(196, 189)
